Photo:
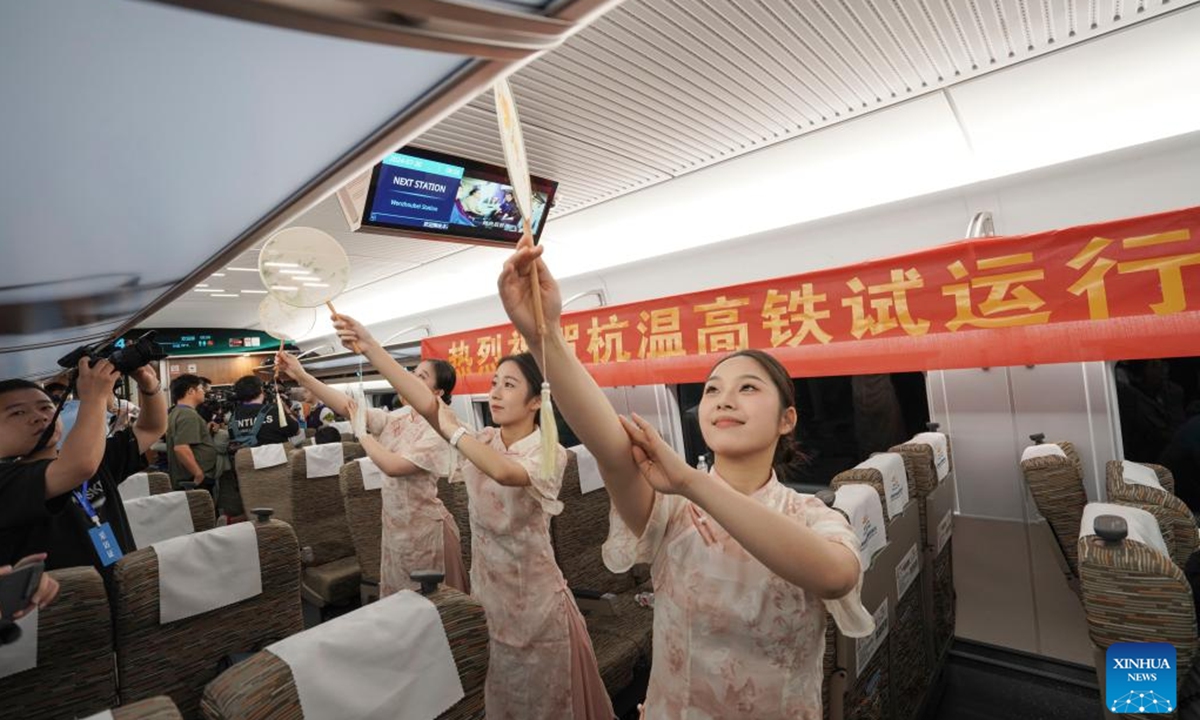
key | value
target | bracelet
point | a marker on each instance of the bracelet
(456, 436)
(155, 391)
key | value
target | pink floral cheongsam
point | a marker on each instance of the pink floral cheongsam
(733, 640)
(530, 612)
(414, 518)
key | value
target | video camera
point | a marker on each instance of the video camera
(218, 405)
(126, 357)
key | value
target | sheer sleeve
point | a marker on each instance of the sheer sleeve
(847, 611)
(545, 489)
(622, 550)
(421, 445)
(377, 420)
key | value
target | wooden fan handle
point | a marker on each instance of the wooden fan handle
(334, 312)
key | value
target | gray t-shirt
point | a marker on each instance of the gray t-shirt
(186, 427)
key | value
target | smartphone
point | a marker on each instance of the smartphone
(17, 587)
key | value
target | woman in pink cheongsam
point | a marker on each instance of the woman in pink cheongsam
(744, 568)
(419, 533)
(541, 665)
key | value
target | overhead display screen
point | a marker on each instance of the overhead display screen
(450, 198)
(215, 341)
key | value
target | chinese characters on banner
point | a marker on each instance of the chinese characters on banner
(1117, 290)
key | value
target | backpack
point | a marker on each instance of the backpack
(239, 438)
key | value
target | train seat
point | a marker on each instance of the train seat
(1054, 475)
(908, 652)
(454, 497)
(331, 572)
(928, 474)
(265, 685)
(73, 645)
(184, 606)
(1121, 555)
(364, 508)
(161, 517)
(1151, 487)
(141, 484)
(265, 481)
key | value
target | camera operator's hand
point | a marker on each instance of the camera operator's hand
(95, 381)
(290, 366)
(46, 591)
(147, 380)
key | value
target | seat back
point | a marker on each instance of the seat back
(1161, 502)
(454, 497)
(579, 532)
(74, 673)
(263, 686)
(267, 488)
(1056, 484)
(318, 513)
(155, 708)
(179, 658)
(364, 517)
(934, 502)
(908, 672)
(1155, 598)
(200, 504)
(159, 482)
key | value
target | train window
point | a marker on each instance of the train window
(1159, 404)
(842, 420)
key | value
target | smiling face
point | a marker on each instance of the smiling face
(24, 415)
(512, 400)
(741, 412)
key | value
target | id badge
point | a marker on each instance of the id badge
(107, 548)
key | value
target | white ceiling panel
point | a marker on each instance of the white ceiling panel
(656, 89)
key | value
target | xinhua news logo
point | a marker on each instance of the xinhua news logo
(1139, 678)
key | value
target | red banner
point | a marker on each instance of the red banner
(1118, 290)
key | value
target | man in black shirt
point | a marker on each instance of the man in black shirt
(65, 503)
(249, 392)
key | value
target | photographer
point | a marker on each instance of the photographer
(255, 422)
(191, 453)
(65, 502)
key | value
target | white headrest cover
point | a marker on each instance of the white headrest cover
(155, 518)
(941, 451)
(135, 486)
(208, 570)
(1142, 526)
(895, 480)
(324, 460)
(1042, 450)
(861, 503)
(1139, 474)
(390, 660)
(267, 456)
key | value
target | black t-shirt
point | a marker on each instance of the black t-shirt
(29, 523)
(270, 433)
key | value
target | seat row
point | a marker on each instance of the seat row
(184, 612)
(1124, 558)
(900, 504)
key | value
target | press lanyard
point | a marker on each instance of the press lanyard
(86, 504)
